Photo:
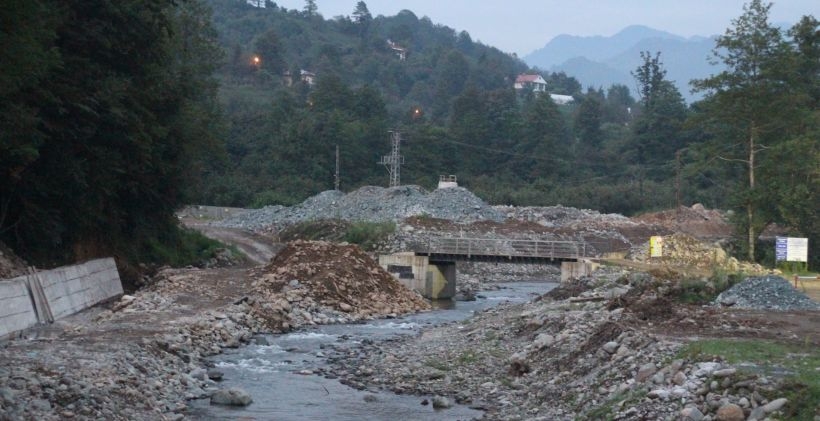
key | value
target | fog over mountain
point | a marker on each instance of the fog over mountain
(600, 61)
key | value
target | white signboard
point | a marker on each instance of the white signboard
(792, 249)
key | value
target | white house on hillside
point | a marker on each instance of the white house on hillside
(536, 83)
(257, 3)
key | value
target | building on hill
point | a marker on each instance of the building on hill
(535, 83)
(538, 85)
(305, 76)
(257, 3)
(400, 51)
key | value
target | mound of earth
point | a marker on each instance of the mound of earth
(10, 265)
(683, 250)
(324, 282)
(697, 221)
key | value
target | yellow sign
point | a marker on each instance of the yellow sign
(656, 246)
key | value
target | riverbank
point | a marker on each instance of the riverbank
(142, 356)
(613, 346)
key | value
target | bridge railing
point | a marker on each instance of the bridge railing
(505, 247)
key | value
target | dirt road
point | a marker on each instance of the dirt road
(258, 248)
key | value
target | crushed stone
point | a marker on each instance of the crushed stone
(766, 293)
(371, 203)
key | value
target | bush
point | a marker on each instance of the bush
(368, 234)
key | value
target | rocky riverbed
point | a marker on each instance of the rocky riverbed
(579, 351)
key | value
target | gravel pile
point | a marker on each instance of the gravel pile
(556, 216)
(766, 293)
(371, 203)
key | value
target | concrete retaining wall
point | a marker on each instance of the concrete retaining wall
(16, 309)
(70, 289)
(53, 294)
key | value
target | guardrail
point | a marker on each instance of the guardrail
(503, 247)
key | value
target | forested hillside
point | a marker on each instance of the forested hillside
(115, 113)
(454, 103)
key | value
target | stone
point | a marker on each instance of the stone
(232, 396)
(440, 402)
(774, 405)
(658, 394)
(645, 372)
(347, 308)
(610, 347)
(726, 372)
(706, 369)
(41, 405)
(757, 414)
(215, 375)
(543, 340)
(691, 414)
(679, 378)
(730, 412)
(370, 398)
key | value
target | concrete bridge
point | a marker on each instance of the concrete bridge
(431, 268)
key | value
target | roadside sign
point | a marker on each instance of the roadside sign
(791, 249)
(656, 246)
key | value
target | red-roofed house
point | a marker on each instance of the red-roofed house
(536, 83)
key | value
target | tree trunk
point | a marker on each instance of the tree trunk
(749, 204)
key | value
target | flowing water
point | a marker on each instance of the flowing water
(279, 376)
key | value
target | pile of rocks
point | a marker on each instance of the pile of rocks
(371, 203)
(766, 293)
(561, 359)
(317, 282)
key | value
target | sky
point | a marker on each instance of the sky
(522, 26)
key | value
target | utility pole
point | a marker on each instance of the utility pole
(394, 160)
(336, 179)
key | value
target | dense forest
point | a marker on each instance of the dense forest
(114, 114)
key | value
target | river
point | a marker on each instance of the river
(282, 375)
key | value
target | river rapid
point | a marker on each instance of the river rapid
(285, 373)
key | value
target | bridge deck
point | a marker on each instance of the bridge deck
(501, 249)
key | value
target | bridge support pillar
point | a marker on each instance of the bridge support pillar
(440, 280)
(433, 280)
(575, 270)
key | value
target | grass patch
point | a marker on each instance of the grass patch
(607, 410)
(467, 357)
(187, 248)
(438, 365)
(801, 387)
(368, 234)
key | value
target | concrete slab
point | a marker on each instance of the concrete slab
(16, 310)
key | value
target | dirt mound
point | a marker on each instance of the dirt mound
(683, 250)
(571, 288)
(10, 265)
(338, 277)
(697, 221)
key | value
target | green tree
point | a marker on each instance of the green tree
(749, 106)
(310, 9)
(361, 15)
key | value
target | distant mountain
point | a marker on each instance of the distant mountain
(602, 61)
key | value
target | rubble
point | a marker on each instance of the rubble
(563, 357)
(371, 203)
(317, 282)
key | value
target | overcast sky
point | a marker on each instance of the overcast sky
(521, 26)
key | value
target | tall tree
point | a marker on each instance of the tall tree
(310, 9)
(749, 103)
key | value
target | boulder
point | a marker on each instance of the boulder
(231, 396)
